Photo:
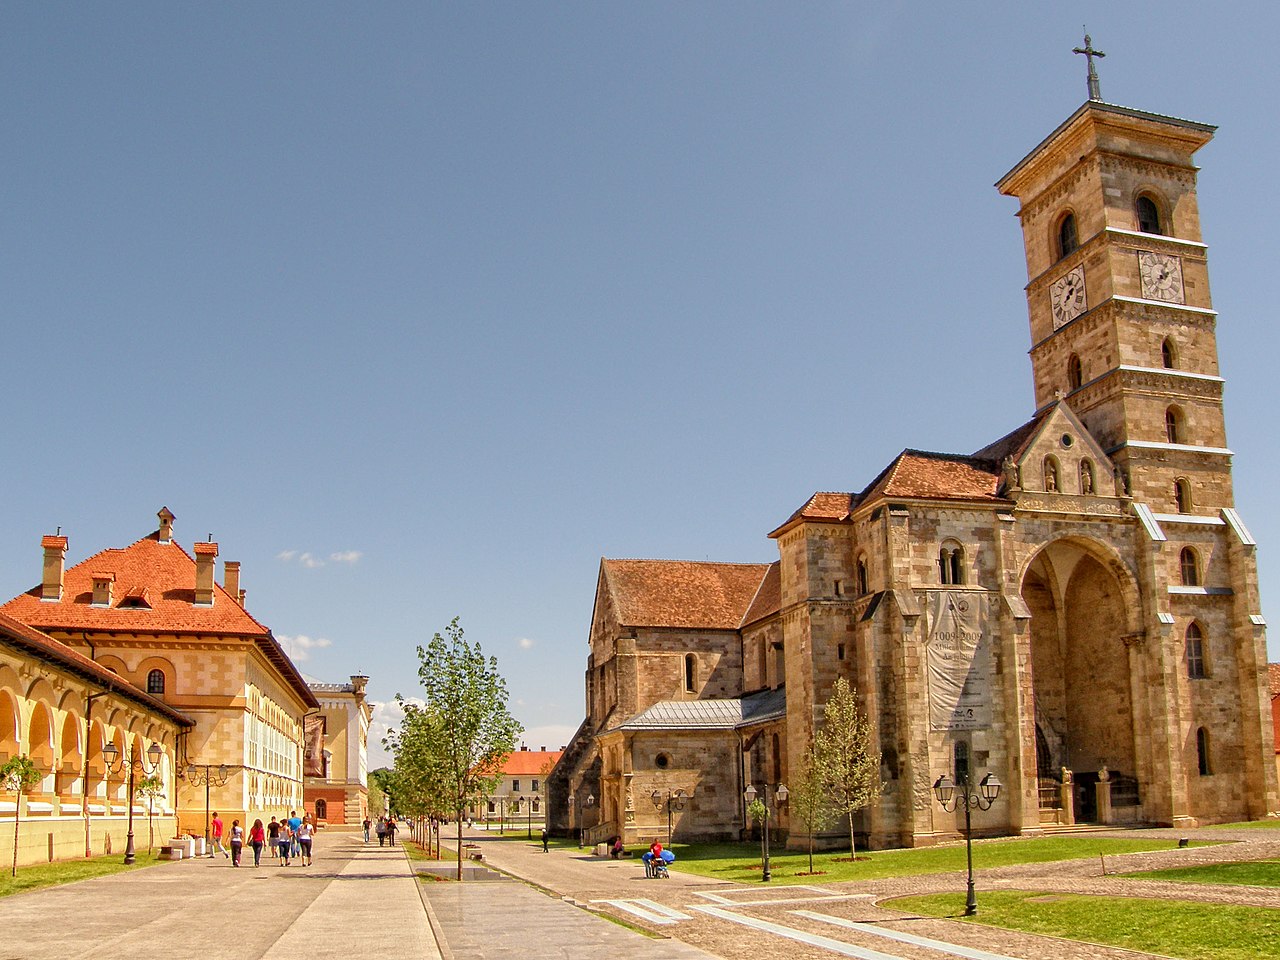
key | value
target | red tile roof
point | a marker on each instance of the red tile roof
(165, 575)
(530, 763)
(34, 643)
(1273, 678)
(768, 599)
(919, 474)
(682, 593)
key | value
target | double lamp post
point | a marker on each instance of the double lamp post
(590, 802)
(779, 797)
(116, 762)
(945, 792)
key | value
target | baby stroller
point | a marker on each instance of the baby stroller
(657, 866)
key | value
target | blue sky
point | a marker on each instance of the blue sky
(421, 309)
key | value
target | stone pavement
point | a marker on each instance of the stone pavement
(820, 921)
(356, 900)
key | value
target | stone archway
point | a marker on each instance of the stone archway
(1083, 604)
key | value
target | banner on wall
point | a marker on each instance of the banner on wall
(958, 656)
(313, 738)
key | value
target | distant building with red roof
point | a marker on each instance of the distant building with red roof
(521, 795)
(1072, 609)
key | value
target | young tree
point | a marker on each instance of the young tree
(151, 787)
(18, 775)
(808, 798)
(453, 744)
(848, 755)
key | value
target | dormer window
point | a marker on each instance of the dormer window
(1148, 215)
(1068, 243)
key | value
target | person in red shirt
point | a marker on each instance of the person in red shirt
(257, 838)
(216, 823)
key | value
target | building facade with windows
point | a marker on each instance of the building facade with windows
(1072, 608)
(521, 795)
(336, 787)
(153, 615)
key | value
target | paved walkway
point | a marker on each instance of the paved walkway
(356, 900)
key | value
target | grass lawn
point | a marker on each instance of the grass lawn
(1253, 873)
(740, 863)
(1272, 824)
(1172, 928)
(68, 871)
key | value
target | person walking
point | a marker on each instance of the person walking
(382, 830)
(273, 837)
(544, 840)
(257, 837)
(216, 846)
(367, 824)
(286, 841)
(237, 842)
(391, 831)
(295, 822)
(306, 836)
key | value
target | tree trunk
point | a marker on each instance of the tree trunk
(852, 844)
(459, 845)
(15, 837)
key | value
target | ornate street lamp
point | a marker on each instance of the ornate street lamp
(779, 797)
(590, 802)
(945, 791)
(115, 763)
(674, 800)
(201, 774)
(526, 801)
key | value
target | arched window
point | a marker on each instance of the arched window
(155, 682)
(1148, 215)
(1086, 477)
(322, 809)
(951, 564)
(690, 671)
(1173, 429)
(1195, 653)
(1075, 372)
(1189, 567)
(1067, 241)
(1182, 495)
(1168, 354)
(1202, 752)
(1051, 484)
(862, 576)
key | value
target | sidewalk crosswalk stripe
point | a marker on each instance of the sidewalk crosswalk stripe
(971, 953)
(665, 911)
(647, 910)
(791, 933)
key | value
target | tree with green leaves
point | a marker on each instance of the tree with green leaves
(151, 787)
(848, 755)
(451, 747)
(18, 775)
(808, 798)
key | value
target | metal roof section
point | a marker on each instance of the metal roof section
(729, 714)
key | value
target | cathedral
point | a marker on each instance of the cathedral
(1072, 609)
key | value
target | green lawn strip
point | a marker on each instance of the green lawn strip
(69, 871)
(1270, 824)
(1173, 928)
(740, 863)
(1252, 873)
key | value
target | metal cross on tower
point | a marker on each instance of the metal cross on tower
(1089, 54)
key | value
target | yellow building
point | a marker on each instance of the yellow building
(61, 709)
(336, 787)
(153, 614)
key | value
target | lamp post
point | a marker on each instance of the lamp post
(590, 802)
(779, 796)
(988, 791)
(202, 774)
(674, 800)
(115, 762)
(526, 802)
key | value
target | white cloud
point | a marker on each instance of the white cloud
(346, 556)
(286, 555)
(386, 715)
(524, 643)
(311, 561)
(299, 647)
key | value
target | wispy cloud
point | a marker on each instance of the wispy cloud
(299, 646)
(524, 643)
(309, 560)
(387, 715)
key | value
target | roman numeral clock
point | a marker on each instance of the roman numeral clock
(1067, 297)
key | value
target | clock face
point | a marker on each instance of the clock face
(1067, 297)
(1161, 276)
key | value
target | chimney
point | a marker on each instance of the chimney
(102, 583)
(55, 554)
(166, 525)
(231, 580)
(206, 553)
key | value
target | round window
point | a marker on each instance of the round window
(662, 761)
(1067, 440)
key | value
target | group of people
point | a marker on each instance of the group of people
(289, 838)
(386, 829)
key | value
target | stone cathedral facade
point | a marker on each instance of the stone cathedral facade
(1073, 607)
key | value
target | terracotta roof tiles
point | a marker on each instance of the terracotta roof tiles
(920, 474)
(768, 598)
(682, 593)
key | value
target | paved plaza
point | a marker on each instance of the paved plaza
(363, 900)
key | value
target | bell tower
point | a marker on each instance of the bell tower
(1122, 325)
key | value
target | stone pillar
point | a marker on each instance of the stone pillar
(1103, 793)
(1067, 796)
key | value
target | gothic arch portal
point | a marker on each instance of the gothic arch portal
(1085, 607)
